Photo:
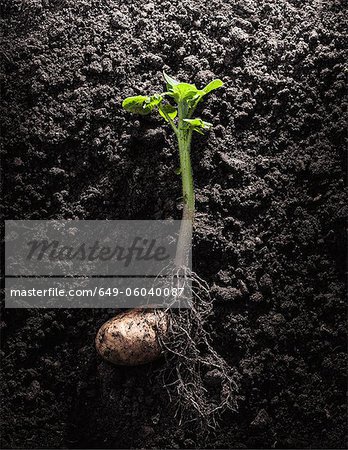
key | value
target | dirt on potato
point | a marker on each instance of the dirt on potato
(271, 210)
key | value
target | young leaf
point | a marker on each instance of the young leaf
(184, 91)
(169, 80)
(215, 84)
(152, 102)
(135, 104)
(198, 123)
(167, 111)
(193, 102)
(141, 104)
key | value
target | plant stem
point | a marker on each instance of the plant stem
(184, 135)
(186, 170)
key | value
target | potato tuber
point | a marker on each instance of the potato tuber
(131, 338)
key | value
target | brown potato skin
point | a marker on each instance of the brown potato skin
(131, 338)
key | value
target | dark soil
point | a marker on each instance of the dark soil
(270, 198)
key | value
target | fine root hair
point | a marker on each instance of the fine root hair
(198, 380)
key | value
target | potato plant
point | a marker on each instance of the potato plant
(141, 336)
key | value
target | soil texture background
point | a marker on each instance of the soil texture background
(271, 210)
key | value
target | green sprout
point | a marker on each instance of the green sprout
(186, 98)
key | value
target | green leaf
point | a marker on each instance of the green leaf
(215, 84)
(167, 111)
(195, 98)
(135, 104)
(141, 104)
(198, 123)
(152, 101)
(178, 171)
(193, 102)
(184, 91)
(169, 80)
